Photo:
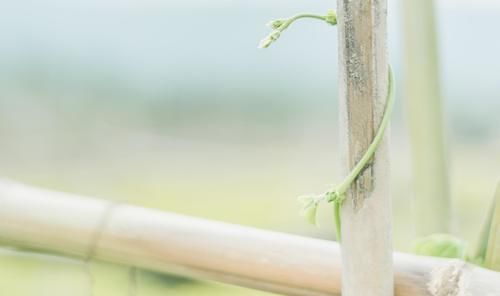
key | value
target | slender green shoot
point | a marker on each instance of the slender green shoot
(337, 196)
(281, 25)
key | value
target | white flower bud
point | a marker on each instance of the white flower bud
(266, 42)
(331, 17)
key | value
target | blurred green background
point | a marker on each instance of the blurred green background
(169, 104)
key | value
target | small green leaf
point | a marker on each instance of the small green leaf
(441, 245)
(310, 213)
(310, 206)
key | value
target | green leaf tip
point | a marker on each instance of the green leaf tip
(310, 207)
(310, 214)
(441, 245)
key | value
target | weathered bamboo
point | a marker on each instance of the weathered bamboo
(425, 118)
(166, 242)
(367, 211)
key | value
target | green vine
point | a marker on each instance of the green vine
(439, 244)
(281, 25)
(338, 194)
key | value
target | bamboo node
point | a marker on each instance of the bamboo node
(97, 233)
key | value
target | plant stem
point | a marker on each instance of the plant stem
(425, 119)
(363, 162)
(340, 194)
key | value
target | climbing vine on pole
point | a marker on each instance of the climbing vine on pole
(337, 195)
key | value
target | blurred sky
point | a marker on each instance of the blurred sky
(105, 73)
(204, 53)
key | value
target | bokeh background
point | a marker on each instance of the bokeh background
(169, 104)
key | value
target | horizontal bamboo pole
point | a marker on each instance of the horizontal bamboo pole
(203, 249)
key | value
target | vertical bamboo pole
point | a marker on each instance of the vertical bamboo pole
(425, 120)
(367, 211)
